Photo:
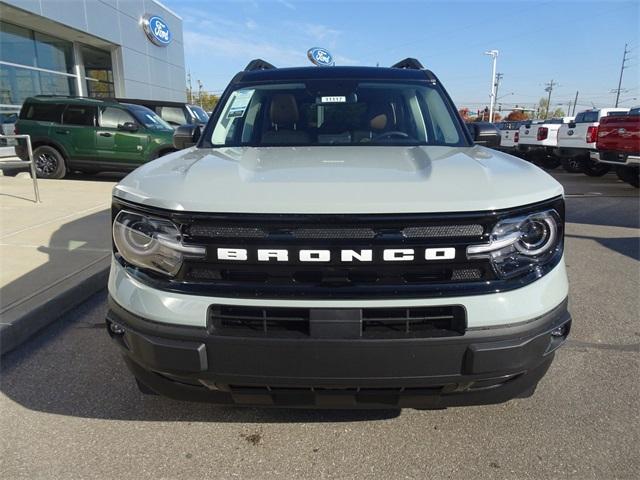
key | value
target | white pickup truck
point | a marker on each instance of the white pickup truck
(537, 140)
(578, 138)
(509, 135)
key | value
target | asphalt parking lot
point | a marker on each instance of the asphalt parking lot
(69, 408)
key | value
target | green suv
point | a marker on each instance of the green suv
(90, 135)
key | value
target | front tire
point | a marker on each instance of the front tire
(630, 175)
(595, 169)
(49, 162)
(572, 164)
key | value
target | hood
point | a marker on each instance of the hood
(337, 179)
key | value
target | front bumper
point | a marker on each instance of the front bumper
(483, 366)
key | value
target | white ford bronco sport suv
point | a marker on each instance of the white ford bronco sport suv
(334, 238)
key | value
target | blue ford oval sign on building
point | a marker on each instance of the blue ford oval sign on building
(157, 30)
(320, 56)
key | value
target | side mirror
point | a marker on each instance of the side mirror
(186, 136)
(485, 134)
(128, 127)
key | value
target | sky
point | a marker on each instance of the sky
(577, 44)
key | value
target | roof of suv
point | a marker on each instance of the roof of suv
(73, 100)
(304, 73)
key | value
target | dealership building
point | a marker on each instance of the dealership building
(94, 48)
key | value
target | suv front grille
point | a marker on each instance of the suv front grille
(367, 323)
(425, 275)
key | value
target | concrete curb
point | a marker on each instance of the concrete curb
(24, 320)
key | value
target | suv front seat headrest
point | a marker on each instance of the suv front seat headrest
(381, 116)
(284, 110)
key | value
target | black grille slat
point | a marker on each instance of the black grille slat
(411, 322)
(332, 233)
(444, 231)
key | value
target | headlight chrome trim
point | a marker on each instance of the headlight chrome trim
(151, 243)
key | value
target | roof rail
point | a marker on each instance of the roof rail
(258, 64)
(410, 63)
(53, 95)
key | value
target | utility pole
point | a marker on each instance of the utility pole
(494, 57)
(498, 78)
(549, 89)
(575, 102)
(622, 67)
(200, 93)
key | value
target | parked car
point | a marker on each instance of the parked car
(537, 140)
(334, 238)
(174, 113)
(90, 135)
(509, 135)
(578, 138)
(618, 145)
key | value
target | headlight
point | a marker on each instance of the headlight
(152, 243)
(522, 244)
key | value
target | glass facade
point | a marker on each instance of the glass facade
(33, 63)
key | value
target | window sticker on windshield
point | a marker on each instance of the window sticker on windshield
(333, 99)
(240, 103)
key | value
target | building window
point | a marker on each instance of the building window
(98, 72)
(33, 63)
(18, 83)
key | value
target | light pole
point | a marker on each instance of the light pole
(494, 56)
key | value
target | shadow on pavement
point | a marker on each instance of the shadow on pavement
(70, 250)
(604, 211)
(72, 368)
(629, 246)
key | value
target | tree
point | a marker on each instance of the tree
(517, 116)
(543, 110)
(543, 105)
(464, 113)
(207, 100)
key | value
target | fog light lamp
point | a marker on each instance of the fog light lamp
(116, 329)
(559, 331)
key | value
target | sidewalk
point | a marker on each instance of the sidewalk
(53, 255)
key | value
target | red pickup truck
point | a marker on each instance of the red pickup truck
(619, 144)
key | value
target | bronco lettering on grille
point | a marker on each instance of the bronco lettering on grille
(345, 256)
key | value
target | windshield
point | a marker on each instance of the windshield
(199, 113)
(149, 118)
(337, 112)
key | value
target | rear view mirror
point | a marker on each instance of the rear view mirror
(186, 136)
(128, 127)
(485, 134)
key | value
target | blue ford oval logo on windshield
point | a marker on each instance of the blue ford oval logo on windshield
(320, 56)
(157, 30)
